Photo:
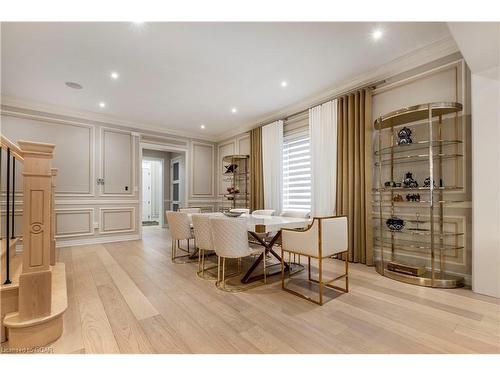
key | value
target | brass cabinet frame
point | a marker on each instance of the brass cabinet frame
(322, 283)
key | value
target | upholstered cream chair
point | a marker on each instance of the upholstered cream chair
(190, 210)
(242, 210)
(230, 241)
(203, 236)
(180, 229)
(325, 237)
(263, 212)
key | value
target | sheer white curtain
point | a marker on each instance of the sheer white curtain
(323, 139)
(272, 165)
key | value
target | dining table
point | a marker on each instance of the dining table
(266, 231)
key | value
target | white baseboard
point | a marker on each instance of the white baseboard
(97, 240)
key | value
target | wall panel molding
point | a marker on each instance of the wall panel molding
(108, 220)
(87, 230)
(195, 159)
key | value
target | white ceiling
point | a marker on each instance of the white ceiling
(181, 75)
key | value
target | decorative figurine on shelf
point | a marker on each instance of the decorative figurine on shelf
(404, 136)
(231, 168)
(398, 198)
(409, 182)
(427, 182)
(395, 223)
(413, 197)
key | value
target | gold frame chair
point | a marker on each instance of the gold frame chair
(322, 283)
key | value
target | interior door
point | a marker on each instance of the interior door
(176, 184)
(146, 192)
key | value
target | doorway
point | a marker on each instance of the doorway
(152, 191)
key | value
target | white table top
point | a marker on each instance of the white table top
(264, 224)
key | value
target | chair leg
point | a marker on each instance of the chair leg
(202, 262)
(200, 265)
(321, 281)
(346, 272)
(264, 265)
(282, 269)
(309, 268)
(224, 272)
(218, 269)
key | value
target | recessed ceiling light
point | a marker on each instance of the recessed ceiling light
(202, 126)
(234, 110)
(137, 22)
(74, 85)
(114, 75)
(377, 34)
(284, 84)
(102, 104)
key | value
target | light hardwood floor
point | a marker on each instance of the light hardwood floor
(128, 297)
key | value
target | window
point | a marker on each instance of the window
(296, 170)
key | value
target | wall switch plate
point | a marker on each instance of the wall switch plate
(96, 225)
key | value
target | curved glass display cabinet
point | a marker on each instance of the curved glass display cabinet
(236, 178)
(414, 158)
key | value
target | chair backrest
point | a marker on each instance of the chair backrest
(178, 223)
(334, 235)
(299, 214)
(242, 210)
(202, 231)
(190, 210)
(230, 237)
(263, 212)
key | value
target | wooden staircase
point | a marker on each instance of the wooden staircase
(32, 305)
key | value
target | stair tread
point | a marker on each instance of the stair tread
(59, 301)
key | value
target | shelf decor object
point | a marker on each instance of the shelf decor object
(414, 248)
(237, 175)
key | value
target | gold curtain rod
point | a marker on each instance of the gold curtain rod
(323, 101)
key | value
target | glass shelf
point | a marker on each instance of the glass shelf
(416, 159)
(420, 188)
(416, 146)
(388, 203)
(421, 232)
(418, 245)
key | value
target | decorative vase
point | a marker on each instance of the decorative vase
(427, 182)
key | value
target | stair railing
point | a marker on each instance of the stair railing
(13, 154)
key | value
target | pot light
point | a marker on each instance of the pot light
(202, 126)
(74, 85)
(114, 75)
(377, 34)
(102, 104)
(284, 83)
(234, 110)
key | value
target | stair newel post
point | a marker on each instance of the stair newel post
(35, 281)
(53, 218)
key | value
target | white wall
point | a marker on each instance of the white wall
(480, 45)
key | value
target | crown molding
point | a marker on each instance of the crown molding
(23, 105)
(421, 56)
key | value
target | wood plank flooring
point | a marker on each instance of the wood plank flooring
(128, 297)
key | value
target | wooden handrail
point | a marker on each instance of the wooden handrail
(15, 150)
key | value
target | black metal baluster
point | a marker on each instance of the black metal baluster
(13, 196)
(7, 224)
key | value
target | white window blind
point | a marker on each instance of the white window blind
(296, 170)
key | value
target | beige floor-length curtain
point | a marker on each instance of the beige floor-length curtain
(354, 171)
(256, 172)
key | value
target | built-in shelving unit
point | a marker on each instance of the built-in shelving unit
(417, 252)
(236, 173)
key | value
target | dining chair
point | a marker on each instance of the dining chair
(326, 236)
(180, 229)
(190, 210)
(263, 212)
(230, 241)
(242, 210)
(203, 236)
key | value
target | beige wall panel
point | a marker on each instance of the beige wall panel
(244, 145)
(117, 162)
(203, 169)
(73, 155)
(117, 220)
(74, 222)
